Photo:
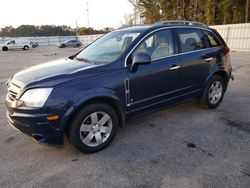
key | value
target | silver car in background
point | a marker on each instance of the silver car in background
(69, 43)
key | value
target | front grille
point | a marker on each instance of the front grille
(13, 91)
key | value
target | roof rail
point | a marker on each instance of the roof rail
(179, 22)
(134, 25)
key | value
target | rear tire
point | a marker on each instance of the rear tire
(93, 127)
(25, 47)
(5, 48)
(213, 92)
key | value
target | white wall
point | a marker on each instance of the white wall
(237, 36)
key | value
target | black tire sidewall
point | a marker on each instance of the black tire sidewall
(5, 48)
(206, 91)
(74, 129)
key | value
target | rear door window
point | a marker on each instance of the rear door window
(191, 39)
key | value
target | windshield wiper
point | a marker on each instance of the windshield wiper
(84, 60)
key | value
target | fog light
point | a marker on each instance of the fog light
(51, 118)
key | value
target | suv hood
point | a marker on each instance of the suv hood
(55, 72)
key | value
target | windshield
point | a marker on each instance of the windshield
(108, 48)
(7, 42)
(10, 42)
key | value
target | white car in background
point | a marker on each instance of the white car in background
(15, 44)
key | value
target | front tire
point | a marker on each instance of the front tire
(5, 48)
(213, 92)
(93, 127)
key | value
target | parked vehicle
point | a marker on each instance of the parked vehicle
(34, 44)
(70, 43)
(15, 44)
(124, 74)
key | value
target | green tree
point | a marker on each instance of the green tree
(150, 9)
(208, 11)
(210, 8)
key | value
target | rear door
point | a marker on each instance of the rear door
(73, 43)
(196, 58)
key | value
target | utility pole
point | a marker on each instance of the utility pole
(76, 29)
(247, 8)
(87, 9)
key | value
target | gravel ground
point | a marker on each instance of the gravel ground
(183, 146)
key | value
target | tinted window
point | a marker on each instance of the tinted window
(158, 45)
(212, 40)
(191, 39)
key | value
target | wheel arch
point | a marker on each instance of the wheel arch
(221, 73)
(5, 47)
(114, 103)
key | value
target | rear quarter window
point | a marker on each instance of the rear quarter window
(212, 39)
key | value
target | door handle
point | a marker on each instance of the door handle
(174, 67)
(209, 59)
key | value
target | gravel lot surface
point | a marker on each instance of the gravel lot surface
(183, 146)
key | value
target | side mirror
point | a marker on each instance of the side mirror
(140, 59)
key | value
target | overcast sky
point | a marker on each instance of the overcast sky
(102, 13)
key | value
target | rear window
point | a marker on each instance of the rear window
(191, 39)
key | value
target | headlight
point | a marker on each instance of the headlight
(35, 97)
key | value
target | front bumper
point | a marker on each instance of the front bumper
(38, 127)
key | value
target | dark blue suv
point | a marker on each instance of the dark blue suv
(124, 74)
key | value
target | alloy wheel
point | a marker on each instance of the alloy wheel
(95, 129)
(215, 92)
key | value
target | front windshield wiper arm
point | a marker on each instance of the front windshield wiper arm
(84, 59)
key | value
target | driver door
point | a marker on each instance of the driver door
(11, 44)
(158, 81)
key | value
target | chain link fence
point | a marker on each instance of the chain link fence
(237, 36)
(54, 40)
